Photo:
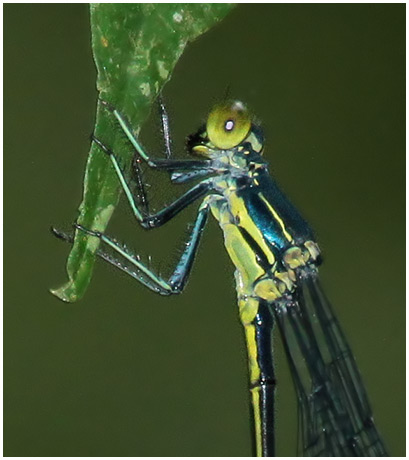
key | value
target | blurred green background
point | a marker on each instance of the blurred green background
(127, 373)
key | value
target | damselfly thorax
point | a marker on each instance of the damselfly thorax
(265, 236)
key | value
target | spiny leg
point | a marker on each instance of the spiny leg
(164, 164)
(177, 281)
(69, 238)
(143, 198)
(165, 127)
(181, 176)
(162, 216)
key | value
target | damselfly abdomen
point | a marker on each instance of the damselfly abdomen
(276, 257)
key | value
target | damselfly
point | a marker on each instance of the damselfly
(275, 257)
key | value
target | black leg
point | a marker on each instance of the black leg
(161, 217)
(177, 281)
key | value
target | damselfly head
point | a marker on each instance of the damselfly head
(227, 126)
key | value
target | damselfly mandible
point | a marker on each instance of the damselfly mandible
(275, 256)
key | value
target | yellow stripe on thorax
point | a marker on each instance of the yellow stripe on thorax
(277, 218)
(239, 211)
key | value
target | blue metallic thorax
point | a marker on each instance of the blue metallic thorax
(267, 206)
(264, 234)
(261, 214)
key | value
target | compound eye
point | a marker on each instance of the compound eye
(228, 124)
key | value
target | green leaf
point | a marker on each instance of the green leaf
(136, 47)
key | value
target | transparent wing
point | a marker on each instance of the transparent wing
(335, 418)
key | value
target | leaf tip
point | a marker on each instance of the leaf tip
(65, 293)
